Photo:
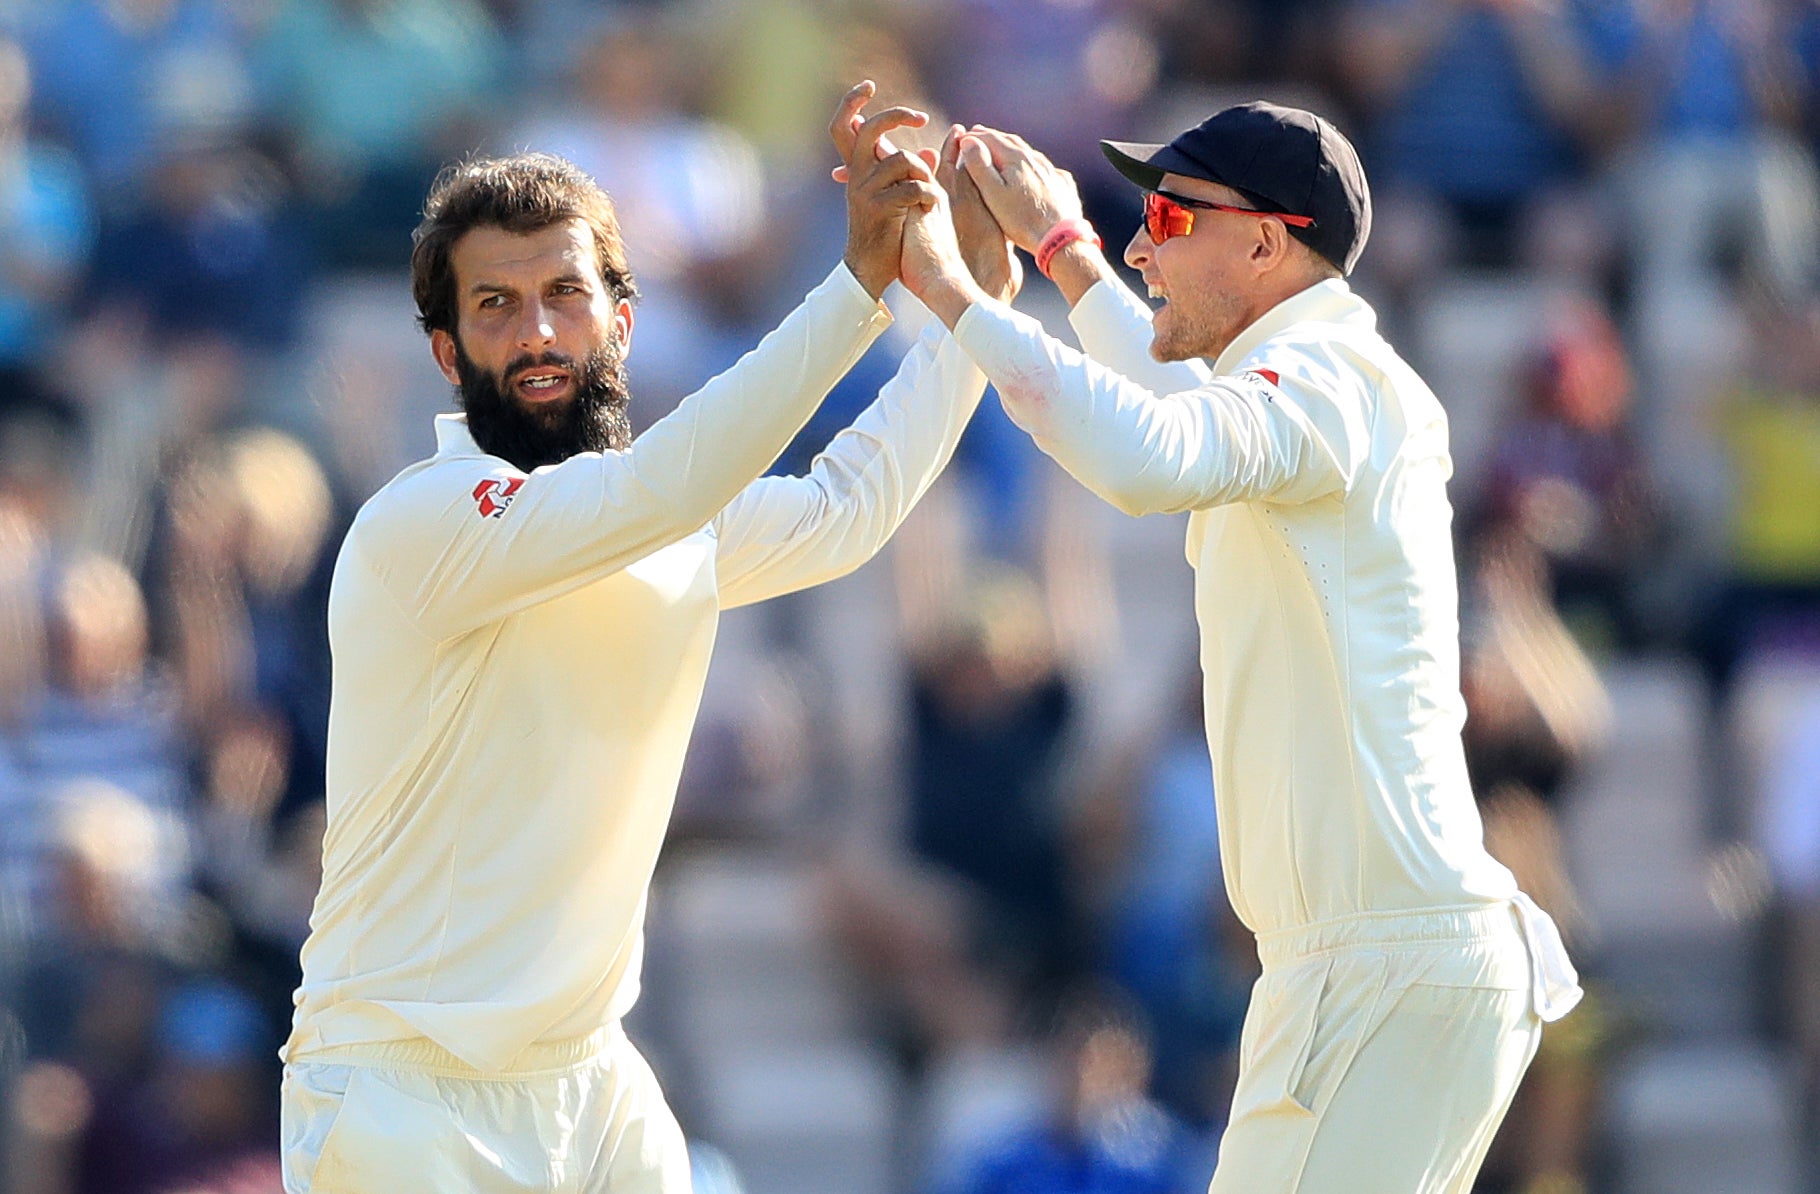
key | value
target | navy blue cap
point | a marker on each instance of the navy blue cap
(1282, 159)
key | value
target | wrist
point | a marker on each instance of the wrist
(1061, 235)
(873, 279)
(948, 297)
(1077, 268)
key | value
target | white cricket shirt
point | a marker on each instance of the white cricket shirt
(1315, 462)
(518, 663)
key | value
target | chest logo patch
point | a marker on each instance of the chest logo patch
(492, 496)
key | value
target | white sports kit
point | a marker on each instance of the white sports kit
(1405, 978)
(518, 664)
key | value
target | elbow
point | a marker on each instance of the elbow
(1132, 505)
(863, 539)
(1138, 501)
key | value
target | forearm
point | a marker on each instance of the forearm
(1118, 439)
(786, 533)
(1078, 267)
(720, 438)
(1235, 438)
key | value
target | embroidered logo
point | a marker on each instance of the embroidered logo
(1269, 375)
(492, 496)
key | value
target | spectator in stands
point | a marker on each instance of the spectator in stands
(1768, 596)
(1536, 711)
(375, 95)
(1475, 112)
(208, 1119)
(1055, 72)
(1715, 92)
(1148, 841)
(196, 1118)
(112, 74)
(690, 193)
(46, 231)
(1567, 477)
(974, 924)
(1102, 1135)
(1788, 832)
(991, 709)
(89, 991)
(105, 713)
(241, 584)
(215, 251)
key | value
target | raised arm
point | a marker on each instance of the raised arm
(786, 533)
(1295, 436)
(1236, 438)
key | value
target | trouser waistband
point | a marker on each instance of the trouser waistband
(1555, 985)
(425, 1056)
(1476, 922)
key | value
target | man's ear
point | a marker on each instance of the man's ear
(1272, 244)
(622, 327)
(442, 347)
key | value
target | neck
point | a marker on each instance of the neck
(1283, 289)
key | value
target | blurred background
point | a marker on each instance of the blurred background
(942, 909)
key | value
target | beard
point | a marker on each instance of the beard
(595, 418)
(1198, 323)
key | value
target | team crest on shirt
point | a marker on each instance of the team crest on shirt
(492, 496)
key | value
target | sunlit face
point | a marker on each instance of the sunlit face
(539, 344)
(1206, 279)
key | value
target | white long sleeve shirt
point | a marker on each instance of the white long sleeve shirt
(518, 663)
(1315, 463)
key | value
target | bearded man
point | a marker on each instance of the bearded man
(521, 627)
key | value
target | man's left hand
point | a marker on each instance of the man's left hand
(988, 252)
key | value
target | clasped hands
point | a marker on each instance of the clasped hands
(945, 222)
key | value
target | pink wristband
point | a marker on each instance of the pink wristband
(1065, 233)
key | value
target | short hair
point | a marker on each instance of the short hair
(526, 192)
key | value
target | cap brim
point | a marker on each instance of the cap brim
(1132, 159)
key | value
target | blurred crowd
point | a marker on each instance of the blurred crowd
(1597, 233)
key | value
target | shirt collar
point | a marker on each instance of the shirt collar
(453, 437)
(1329, 301)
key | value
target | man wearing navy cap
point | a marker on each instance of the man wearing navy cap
(1405, 978)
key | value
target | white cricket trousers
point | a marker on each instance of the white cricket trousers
(1380, 1052)
(580, 1117)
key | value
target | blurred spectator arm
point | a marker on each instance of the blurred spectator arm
(1562, 77)
(1383, 44)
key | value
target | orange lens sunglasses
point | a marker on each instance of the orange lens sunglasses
(1167, 215)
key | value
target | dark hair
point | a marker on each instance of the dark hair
(526, 192)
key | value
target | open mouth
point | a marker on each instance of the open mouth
(543, 383)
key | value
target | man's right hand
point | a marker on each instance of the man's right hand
(881, 190)
(1026, 192)
(1028, 195)
(934, 269)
